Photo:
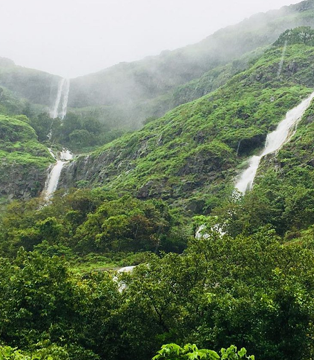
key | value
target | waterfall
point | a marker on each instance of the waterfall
(282, 59)
(65, 99)
(55, 172)
(121, 284)
(54, 112)
(61, 103)
(274, 142)
(59, 110)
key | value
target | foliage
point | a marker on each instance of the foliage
(23, 159)
(49, 353)
(191, 156)
(251, 283)
(175, 352)
(299, 35)
(91, 221)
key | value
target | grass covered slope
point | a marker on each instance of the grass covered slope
(190, 156)
(24, 160)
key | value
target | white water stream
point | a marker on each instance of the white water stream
(282, 58)
(61, 103)
(274, 141)
(59, 110)
(55, 172)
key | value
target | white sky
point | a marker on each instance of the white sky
(76, 37)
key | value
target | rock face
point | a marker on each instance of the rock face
(18, 182)
(247, 145)
(92, 169)
(108, 168)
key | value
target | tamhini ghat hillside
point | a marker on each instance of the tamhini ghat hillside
(192, 155)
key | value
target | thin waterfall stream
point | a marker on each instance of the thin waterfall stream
(59, 110)
(61, 103)
(55, 172)
(274, 141)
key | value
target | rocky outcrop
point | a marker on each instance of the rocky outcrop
(247, 145)
(19, 182)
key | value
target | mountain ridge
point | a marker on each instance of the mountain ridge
(125, 95)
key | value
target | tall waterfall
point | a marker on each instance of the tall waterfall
(59, 110)
(61, 103)
(274, 142)
(54, 174)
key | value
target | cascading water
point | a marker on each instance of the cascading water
(65, 98)
(59, 110)
(55, 172)
(282, 58)
(126, 269)
(61, 103)
(54, 112)
(274, 142)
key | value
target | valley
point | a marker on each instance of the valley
(191, 171)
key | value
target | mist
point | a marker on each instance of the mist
(71, 38)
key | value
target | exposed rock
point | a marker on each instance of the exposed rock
(247, 145)
(21, 183)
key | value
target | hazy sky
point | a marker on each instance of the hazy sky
(76, 37)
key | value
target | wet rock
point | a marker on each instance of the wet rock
(246, 146)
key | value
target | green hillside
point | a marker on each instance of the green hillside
(191, 156)
(24, 161)
(245, 286)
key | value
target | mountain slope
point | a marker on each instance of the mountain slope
(129, 93)
(190, 156)
(24, 161)
(35, 86)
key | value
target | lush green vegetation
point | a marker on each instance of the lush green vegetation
(252, 291)
(24, 160)
(191, 156)
(176, 352)
(92, 222)
(249, 281)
